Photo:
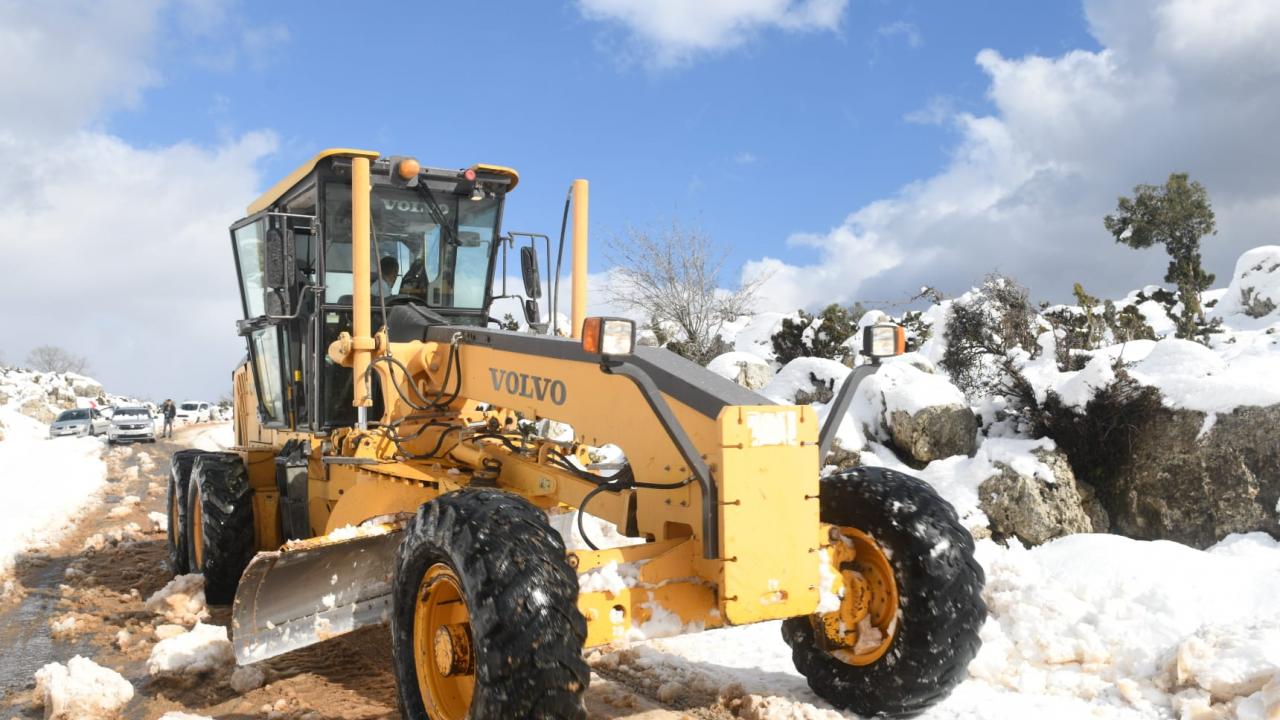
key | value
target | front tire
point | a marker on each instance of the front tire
(220, 540)
(933, 632)
(484, 621)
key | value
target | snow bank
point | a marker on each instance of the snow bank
(202, 649)
(48, 483)
(800, 374)
(754, 333)
(80, 690)
(213, 438)
(1094, 626)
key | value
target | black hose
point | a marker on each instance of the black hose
(555, 292)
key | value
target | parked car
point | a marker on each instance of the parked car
(79, 422)
(193, 411)
(129, 423)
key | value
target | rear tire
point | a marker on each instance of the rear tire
(220, 486)
(176, 506)
(523, 628)
(939, 585)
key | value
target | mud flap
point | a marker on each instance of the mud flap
(313, 590)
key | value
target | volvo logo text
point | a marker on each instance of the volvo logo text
(528, 386)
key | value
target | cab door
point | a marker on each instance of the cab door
(262, 330)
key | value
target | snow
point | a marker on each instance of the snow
(1257, 273)
(602, 532)
(729, 365)
(214, 437)
(1085, 626)
(48, 484)
(181, 601)
(906, 388)
(753, 333)
(201, 649)
(799, 374)
(80, 690)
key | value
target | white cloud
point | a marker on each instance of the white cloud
(62, 63)
(116, 252)
(908, 31)
(744, 158)
(673, 32)
(1179, 85)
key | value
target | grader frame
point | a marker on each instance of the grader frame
(722, 496)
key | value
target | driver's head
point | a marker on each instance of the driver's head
(390, 269)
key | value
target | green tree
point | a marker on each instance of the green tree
(822, 335)
(1176, 215)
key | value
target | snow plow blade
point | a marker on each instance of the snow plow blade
(313, 590)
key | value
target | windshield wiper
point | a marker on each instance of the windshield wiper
(433, 207)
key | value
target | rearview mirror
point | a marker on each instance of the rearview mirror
(468, 238)
(532, 315)
(529, 271)
(277, 272)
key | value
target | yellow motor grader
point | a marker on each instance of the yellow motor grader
(398, 460)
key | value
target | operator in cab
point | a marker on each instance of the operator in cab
(389, 270)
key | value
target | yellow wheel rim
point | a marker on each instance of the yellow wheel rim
(197, 528)
(442, 651)
(862, 629)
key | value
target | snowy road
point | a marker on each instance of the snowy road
(1091, 626)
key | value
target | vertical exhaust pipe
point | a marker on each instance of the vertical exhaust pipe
(579, 302)
(362, 341)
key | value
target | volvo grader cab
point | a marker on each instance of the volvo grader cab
(399, 461)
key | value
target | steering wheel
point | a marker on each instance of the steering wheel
(418, 304)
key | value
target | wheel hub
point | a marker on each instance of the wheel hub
(861, 630)
(443, 654)
(453, 650)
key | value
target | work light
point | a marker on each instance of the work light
(608, 336)
(884, 340)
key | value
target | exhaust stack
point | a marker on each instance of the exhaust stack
(579, 302)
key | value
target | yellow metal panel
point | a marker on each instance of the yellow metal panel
(769, 494)
(264, 201)
(369, 498)
(266, 520)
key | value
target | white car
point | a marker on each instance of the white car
(131, 423)
(193, 411)
(79, 422)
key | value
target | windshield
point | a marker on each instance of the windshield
(406, 247)
(120, 412)
(73, 415)
(188, 406)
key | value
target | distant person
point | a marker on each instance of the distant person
(169, 410)
(390, 270)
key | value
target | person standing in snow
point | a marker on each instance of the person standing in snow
(170, 411)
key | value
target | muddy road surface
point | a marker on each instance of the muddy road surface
(86, 596)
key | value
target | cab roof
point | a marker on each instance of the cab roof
(273, 194)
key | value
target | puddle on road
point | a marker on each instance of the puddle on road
(24, 629)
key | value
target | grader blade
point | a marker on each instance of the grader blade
(311, 591)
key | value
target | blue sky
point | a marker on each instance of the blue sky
(842, 149)
(785, 134)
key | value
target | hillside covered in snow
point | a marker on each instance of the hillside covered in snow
(1123, 485)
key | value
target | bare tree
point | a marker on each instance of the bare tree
(672, 277)
(51, 358)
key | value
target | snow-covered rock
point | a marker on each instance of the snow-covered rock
(1042, 504)
(1254, 291)
(80, 690)
(202, 649)
(920, 414)
(749, 371)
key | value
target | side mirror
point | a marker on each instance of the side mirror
(278, 271)
(529, 271)
(532, 315)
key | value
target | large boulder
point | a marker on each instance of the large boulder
(921, 415)
(37, 409)
(1196, 483)
(1039, 501)
(1255, 285)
